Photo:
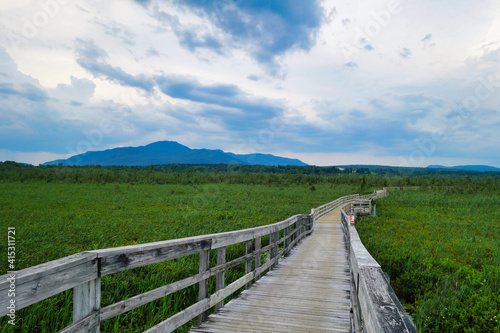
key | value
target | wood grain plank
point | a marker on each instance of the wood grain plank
(43, 281)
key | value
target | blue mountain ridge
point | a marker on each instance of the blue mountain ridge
(170, 152)
(466, 167)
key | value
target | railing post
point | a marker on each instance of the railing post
(274, 248)
(248, 264)
(258, 246)
(87, 299)
(219, 277)
(287, 240)
(203, 285)
(296, 228)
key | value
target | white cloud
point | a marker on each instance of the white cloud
(321, 97)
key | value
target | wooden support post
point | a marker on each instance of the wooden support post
(87, 299)
(248, 264)
(295, 226)
(219, 277)
(309, 222)
(274, 248)
(287, 239)
(258, 246)
(203, 285)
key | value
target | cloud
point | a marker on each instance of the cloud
(117, 30)
(265, 29)
(93, 58)
(253, 77)
(24, 90)
(427, 41)
(332, 14)
(191, 36)
(346, 22)
(231, 106)
(79, 90)
(491, 53)
(427, 38)
(351, 65)
(153, 52)
(405, 53)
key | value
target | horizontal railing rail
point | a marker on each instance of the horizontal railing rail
(376, 307)
(82, 272)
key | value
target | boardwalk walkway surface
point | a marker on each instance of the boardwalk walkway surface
(308, 291)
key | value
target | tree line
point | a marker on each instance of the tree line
(364, 178)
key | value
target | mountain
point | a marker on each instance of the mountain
(466, 167)
(266, 159)
(168, 152)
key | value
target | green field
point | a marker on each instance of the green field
(440, 245)
(441, 250)
(53, 220)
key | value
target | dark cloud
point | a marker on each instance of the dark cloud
(24, 90)
(191, 37)
(405, 53)
(232, 107)
(94, 59)
(192, 41)
(266, 28)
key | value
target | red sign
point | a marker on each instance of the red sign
(352, 218)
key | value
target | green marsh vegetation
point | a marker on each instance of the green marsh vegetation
(441, 249)
(59, 211)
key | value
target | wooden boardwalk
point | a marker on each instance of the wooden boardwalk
(308, 291)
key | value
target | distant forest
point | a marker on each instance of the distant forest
(366, 176)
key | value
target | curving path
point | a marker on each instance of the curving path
(308, 291)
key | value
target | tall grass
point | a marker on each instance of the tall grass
(441, 249)
(54, 220)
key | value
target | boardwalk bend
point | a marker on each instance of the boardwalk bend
(308, 273)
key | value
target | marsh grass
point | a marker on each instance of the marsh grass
(441, 249)
(54, 220)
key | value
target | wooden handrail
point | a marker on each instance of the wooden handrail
(82, 272)
(376, 307)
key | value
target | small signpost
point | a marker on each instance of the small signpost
(352, 218)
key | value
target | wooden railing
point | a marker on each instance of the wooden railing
(82, 272)
(376, 307)
(326, 208)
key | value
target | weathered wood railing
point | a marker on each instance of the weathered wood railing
(326, 208)
(82, 272)
(376, 307)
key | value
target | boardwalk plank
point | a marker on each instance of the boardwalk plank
(308, 291)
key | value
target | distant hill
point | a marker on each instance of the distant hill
(466, 167)
(170, 152)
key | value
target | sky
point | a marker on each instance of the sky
(403, 83)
